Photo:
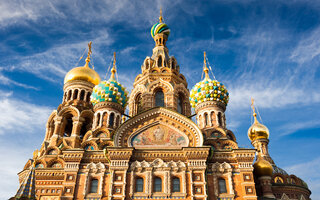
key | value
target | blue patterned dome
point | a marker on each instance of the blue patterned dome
(109, 91)
(208, 90)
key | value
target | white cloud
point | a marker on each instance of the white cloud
(309, 172)
(18, 116)
(293, 127)
(308, 48)
(7, 81)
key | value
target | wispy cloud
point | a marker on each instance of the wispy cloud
(293, 127)
(7, 81)
(19, 116)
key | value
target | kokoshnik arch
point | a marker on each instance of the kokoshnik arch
(91, 150)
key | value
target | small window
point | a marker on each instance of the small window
(206, 119)
(94, 186)
(180, 104)
(219, 119)
(157, 185)
(159, 61)
(139, 185)
(139, 103)
(175, 184)
(159, 97)
(82, 95)
(222, 186)
(111, 120)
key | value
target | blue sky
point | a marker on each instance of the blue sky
(268, 50)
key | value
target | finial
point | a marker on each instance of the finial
(254, 111)
(160, 17)
(205, 68)
(89, 54)
(113, 70)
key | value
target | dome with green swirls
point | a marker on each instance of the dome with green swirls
(109, 91)
(208, 90)
(160, 28)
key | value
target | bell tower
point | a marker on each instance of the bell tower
(160, 83)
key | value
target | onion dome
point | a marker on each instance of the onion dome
(160, 27)
(208, 90)
(110, 90)
(84, 73)
(257, 130)
(262, 167)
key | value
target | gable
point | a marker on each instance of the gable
(158, 128)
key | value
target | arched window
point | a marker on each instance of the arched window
(98, 119)
(111, 120)
(139, 184)
(180, 104)
(219, 119)
(82, 95)
(175, 184)
(68, 124)
(138, 103)
(69, 94)
(75, 94)
(159, 97)
(222, 186)
(205, 120)
(86, 125)
(88, 96)
(160, 61)
(94, 186)
(157, 187)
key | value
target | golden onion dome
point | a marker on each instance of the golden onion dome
(262, 167)
(84, 73)
(258, 130)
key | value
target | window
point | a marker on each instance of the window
(159, 98)
(139, 185)
(159, 61)
(175, 184)
(206, 119)
(138, 103)
(111, 120)
(222, 186)
(157, 184)
(67, 126)
(82, 95)
(75, 94)
(219, 119)
(180, 104)
(94, 186)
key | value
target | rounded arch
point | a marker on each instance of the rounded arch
(231, 136)
(166, 86)
(98, 131)
(50, 125)
(40, 164)
(56, 163)
(70, 109)
(89, 143)
(105, 144)
(53, 150)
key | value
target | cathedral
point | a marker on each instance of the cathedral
(93, 150)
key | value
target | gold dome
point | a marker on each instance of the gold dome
(258, 131)
(262, 167)
(84, 73)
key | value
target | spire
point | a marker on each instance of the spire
(160, 17)
(205, 68)
(113, 70)
(254, 112)
(89, 54)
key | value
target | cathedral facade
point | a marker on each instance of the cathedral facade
(93, 150)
